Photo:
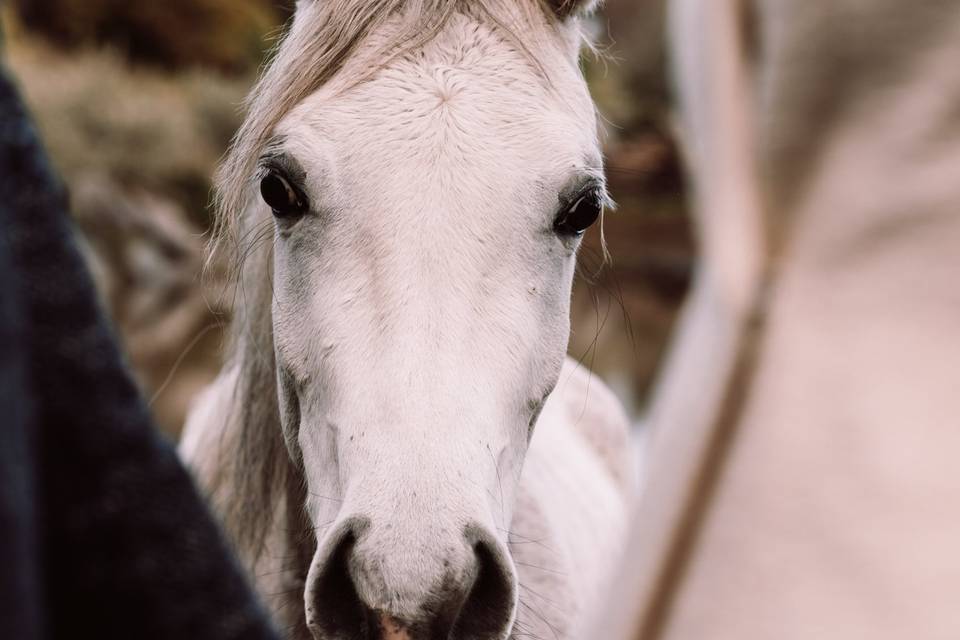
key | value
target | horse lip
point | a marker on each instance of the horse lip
(391, 628)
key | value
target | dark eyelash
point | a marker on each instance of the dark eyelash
(596, 188)
(284, 164)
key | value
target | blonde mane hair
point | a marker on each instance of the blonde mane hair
(256, 464)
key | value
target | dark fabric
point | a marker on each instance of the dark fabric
(102, 533)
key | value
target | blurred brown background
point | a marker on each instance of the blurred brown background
(137, 101)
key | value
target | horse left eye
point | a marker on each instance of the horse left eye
(580, 215)
(281, 196)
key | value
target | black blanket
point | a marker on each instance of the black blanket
(102, 533)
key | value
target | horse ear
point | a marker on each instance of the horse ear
(572, 8)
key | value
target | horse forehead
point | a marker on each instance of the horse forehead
(470, 91)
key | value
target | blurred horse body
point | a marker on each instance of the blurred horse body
(397, 446)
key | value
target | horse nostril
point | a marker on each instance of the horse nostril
(335, 610)
(489, 608)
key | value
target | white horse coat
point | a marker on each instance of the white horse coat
(397, 445)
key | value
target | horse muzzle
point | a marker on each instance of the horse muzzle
(367, 583)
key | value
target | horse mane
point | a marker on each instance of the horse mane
(258, 475)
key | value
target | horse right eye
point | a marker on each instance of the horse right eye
(580, 215)
(281, 196)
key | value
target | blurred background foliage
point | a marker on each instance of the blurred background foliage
(225, 35)
(138, 100)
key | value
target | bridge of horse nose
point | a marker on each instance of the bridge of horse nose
(362, 591)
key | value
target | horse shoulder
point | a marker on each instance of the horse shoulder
(599, 417)
(570, 517)
(206, 431)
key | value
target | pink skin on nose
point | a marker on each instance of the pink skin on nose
(391, 629)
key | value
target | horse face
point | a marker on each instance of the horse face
(426, 224)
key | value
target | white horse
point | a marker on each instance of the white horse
(397, 445)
